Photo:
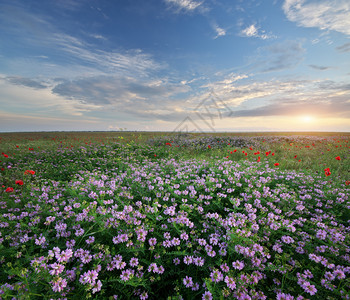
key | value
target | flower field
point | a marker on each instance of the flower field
(156, 216)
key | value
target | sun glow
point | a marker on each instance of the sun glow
(307, 118)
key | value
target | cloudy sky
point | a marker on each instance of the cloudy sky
(204, 65)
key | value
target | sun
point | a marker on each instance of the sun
(307, 118)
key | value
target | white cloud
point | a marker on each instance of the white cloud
(250, 31)
(253, 31)
(322, 14)
(186, 5)
(219, 31)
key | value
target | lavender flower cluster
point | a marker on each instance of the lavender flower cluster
(187, 229)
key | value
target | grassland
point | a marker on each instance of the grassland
(137, 215)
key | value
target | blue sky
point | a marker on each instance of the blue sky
(195, 65)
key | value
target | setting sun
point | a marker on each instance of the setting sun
(307, 118)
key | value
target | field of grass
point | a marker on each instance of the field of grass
(135, 215)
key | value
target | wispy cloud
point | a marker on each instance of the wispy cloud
(322, 14)
(186, 5)
(283, 56)
(219, 31)
(28, 82)
(253, 31)
(344, 48)
(320, 68)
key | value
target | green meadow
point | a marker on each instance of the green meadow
(155, 215)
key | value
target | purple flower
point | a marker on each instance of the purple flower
(216, 276)
(207, 296)
(176, 260)
(134, 262)
(88, 277)
(56, 269)
(152, 241)
(90, 240)
(309, 288)
(231, 284)
(188, 260)
(126, 274)
(239, 265)
(58, 284)
(287, 239)
(97, 286)
(187, 281)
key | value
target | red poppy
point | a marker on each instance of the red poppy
(347, 182)
(19, 182)
(231, 152)
(17, 146)
(295, 156)
(259, 159)
(155, 155)
(250, 148)
(235, 150)
(209, 147)
(5, 155)
(9, 190)
(337, 158)
(29, 172)
(273, 154)
(327, 172)
(276, 164)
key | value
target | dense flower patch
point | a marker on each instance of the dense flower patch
(129, 224)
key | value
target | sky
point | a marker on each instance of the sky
(175, 65)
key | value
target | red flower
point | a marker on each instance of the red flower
(235, 150)
(5, 155)
(168, 144)
(9, 190)
(29, 172)
(327, 172)
(19, 182)
(17, 146)
(209, 147)
(295, 156)
(276, 164)
(259, 159)
(250, 148)
(347, 182)
(337, 158)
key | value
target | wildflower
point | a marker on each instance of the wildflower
(231, 284)
(29, 172)
(97, 286)
(327, 171)
(309, 288)
(134, 262)
(276, 164)
(56, 269)
(216, 276)
(188, 260)
(188, 282)
(9, 190)
(88, 277)
(19, 182)
(58, 284)
(207, 296)
(238, 265)
(337, 158)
